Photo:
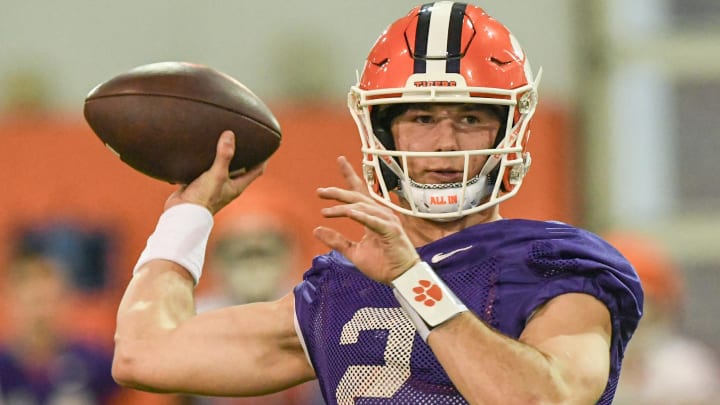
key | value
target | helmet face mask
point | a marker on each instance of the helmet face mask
(444, 52)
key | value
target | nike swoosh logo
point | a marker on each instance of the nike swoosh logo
(442, 256)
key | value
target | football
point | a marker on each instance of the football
(164, 120)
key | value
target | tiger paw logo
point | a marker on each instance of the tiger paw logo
(427, 292)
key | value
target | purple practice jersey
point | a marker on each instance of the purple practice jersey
(365, 350)
(79, 374)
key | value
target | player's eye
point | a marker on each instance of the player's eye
(423, 119)
(418, 117)
(470, 120)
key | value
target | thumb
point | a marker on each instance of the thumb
(332, 239)
(224, 153)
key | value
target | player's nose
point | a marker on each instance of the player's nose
(446, 136)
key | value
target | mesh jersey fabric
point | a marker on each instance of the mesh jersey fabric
(365, 350)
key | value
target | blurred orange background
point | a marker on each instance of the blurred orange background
(54, 168)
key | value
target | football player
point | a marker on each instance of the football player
(442, 301)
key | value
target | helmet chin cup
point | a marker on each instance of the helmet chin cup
(450, 198)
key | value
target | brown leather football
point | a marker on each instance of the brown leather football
(164, 120)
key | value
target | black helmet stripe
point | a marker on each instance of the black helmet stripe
(421, 37)
(438, 37)
(454, 40)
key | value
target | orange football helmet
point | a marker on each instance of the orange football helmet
(445, 52)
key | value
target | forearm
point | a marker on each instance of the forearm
(157, 300)
(160, 295)
(489, 367)
(162, 346)
(560, 357)
(483, 364)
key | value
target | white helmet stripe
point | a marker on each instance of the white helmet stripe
(438, 36)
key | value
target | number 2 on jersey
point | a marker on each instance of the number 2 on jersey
(377, 381)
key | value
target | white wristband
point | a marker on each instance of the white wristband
(420, 326)
(425, 294)
(180, 236)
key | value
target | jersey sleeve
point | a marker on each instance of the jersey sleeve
(590, 265)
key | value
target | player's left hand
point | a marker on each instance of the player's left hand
(385, 251)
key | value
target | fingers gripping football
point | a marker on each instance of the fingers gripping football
(215, 188)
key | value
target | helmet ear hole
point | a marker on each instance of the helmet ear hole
(384, 136)
(381, 118)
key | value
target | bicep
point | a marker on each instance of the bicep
(574, 332)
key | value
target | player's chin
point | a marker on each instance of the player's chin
(442, 177)
(445, 174)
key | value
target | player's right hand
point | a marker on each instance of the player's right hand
(214, 189)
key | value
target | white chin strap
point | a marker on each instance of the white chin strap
(446, 198)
